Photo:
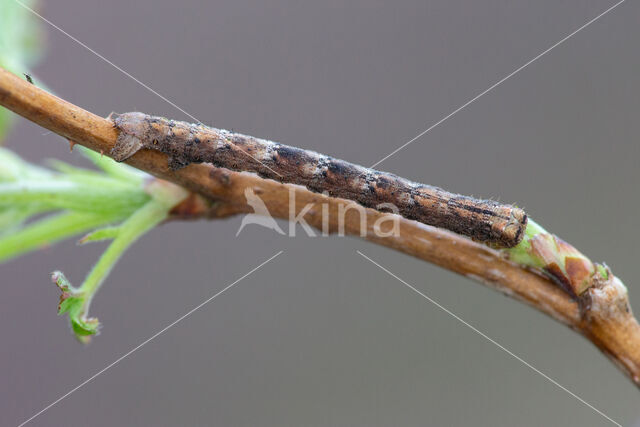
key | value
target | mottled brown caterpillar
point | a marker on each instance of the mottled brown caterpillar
(483, 220)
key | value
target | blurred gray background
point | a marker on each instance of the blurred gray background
(320, 336)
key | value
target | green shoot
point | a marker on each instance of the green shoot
(117, 203)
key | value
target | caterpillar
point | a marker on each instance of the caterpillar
(487, 221)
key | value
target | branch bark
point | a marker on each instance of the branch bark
(602, 314)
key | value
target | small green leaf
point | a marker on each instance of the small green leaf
(73, 302)
(48, 231)
(602, 270)
(100, 234)
(99, 196)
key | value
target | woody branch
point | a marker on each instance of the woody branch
(601, 314)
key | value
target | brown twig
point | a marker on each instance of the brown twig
(601, 314)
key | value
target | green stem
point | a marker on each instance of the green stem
(143, 220)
